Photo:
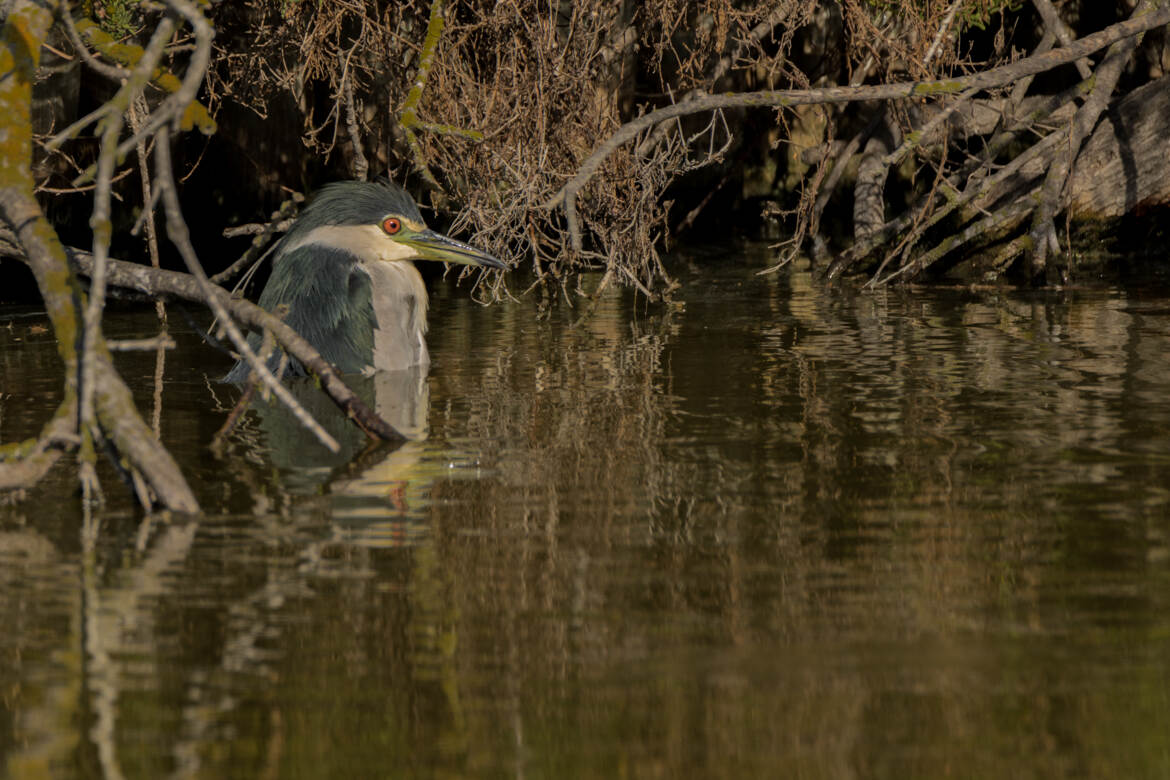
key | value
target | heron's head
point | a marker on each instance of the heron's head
(376, 222)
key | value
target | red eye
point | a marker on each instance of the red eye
(391, 225)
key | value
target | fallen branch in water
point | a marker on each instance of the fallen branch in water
(155, 282)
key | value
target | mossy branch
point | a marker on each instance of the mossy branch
(408, 117)
(25, 29)
(195, 115)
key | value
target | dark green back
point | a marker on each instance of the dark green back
(329, 303)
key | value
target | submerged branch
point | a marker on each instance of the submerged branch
(155, 282)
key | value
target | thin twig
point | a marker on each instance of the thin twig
(138, 110)
(258, 228)
(180, 237)
(943, 29)
(100, 221)
(281, 222)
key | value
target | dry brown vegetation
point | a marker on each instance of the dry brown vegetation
(520, 93)
(487, 111)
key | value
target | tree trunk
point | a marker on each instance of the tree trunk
(1123, 166)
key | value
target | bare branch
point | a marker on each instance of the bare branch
(361, 166)
(1056, 25)
(943, 29)
(1043, 233)
(157, 282)
(102, 230)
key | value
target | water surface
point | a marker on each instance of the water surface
(768, 530)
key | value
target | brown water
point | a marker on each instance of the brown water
(770, 531)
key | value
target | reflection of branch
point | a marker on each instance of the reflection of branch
(995, 77)
(251, 623)
(112, 630)
(266, 347)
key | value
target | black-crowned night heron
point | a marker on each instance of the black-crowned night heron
(344, 271)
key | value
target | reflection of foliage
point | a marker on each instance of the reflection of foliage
(811, 481)
(675, 502)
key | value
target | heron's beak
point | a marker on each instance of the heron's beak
(435, 246)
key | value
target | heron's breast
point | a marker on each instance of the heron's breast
(400, 313)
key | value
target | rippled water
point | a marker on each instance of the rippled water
(769, 530)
